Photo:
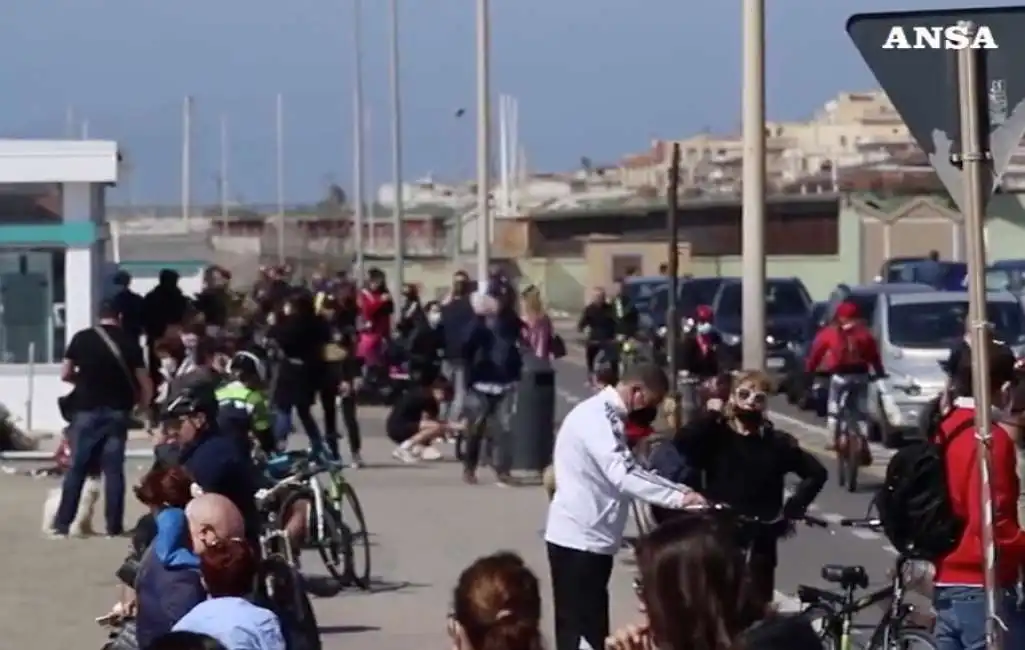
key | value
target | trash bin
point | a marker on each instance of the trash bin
(533, 421)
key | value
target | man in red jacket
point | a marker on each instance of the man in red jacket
(958, 598)
(848, 351)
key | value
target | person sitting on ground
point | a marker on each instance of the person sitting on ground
(167, 583)
(185, 641)
(496, 606)
(693, 588)
(229, 571)
(415, 422)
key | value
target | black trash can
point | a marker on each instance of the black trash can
(532, 429)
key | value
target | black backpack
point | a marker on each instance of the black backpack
(914, 505)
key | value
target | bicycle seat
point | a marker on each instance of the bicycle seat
(847, 577)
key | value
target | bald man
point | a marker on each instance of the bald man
(213, 517)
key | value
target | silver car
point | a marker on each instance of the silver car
(916, 332)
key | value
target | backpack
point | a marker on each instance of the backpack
(849, 352)
(914, 506)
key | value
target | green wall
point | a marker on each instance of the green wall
(1005, 227)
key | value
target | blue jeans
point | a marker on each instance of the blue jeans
(961, 618)
(455, 372)
(96, 437)
(282, 426)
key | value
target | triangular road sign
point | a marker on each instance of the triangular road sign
(913, 55)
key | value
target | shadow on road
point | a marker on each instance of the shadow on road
(327, 630)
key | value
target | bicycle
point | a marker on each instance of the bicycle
(834, 612)
(849, 456)
(334, 539)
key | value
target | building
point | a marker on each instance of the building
(851, 129)
(53, 233)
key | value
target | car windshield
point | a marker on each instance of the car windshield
(1004, 278)
(693, 293)
(941, 324)
(781, 299)
(641, 292)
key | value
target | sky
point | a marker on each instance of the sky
(594, 78)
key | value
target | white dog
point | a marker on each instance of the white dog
(82, 525)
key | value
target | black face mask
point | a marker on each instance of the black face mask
(459, 288)
(643, 416)
(749, 417)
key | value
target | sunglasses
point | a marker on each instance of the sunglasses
(749, 395)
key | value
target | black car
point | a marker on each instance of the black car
(691, 294)
(801, 390)
(787, 306)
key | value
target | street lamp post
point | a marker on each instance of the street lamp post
(396, 136)
(483, 143)
(753, 219)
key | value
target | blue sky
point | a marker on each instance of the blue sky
(594, 78)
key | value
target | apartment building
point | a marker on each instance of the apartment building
(854, 128)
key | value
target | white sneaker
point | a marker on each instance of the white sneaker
(356, 462)
(430, 453)
(405, 455)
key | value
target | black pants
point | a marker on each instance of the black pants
(328, 402)
(580, 596)
(591, 351)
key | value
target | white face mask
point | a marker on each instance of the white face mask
(168, 366)
(434, 318)
(190, 341)
(704, 328)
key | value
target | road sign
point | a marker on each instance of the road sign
(913, 55)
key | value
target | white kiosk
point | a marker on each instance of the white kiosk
(51, 274)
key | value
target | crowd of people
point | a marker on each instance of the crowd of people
(221, 377)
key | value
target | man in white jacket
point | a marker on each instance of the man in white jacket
(598, 477)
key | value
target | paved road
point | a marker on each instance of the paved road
(426, 527)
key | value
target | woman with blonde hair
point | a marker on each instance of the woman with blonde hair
(742, 461)
(537, 331)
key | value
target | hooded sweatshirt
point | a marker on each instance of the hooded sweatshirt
(168, 585)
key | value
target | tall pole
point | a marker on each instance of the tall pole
(483, 142)
(673, 258)
(70, 122)
(753, 220)
(371, 215)
(975, 161)
(358, 135)
(222, 184)
(84, 134)
(279, 132)
(186, 158)
(396, 145)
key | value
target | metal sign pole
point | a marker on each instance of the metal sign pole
(672, 318)
(975, 160)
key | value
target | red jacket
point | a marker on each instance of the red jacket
(376, 312)
(851, 351)
(964, 565)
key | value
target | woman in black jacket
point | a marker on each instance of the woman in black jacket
(298, 337)
(338, 381)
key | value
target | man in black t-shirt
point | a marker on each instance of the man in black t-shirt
(106, 367)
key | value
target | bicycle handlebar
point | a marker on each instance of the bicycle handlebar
(870, 524)
(725, 509)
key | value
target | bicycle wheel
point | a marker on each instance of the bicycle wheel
(354, 526)
(854, 442)
(905, 638)
(841, 461)
(325, 532)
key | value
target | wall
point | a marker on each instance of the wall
(1005, 227)
(821, 274)
(40, 386)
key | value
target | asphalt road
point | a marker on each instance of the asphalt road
(426, 525)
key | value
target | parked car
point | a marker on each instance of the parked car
(808, 393)
(692, 293)
(916, 330)
(787, 305)
(1006, 275)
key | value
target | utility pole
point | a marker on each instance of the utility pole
(358, 135)
(186, 181)
(223, 177)
(279, 146)
(753, 220)
(483, 143)
(396, 137)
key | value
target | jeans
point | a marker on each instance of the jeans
(961, 618)
(489, 414)
(282, 426)
(846, 403)
(455, 372)
(96, 436)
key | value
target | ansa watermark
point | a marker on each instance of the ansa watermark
(954, 37)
